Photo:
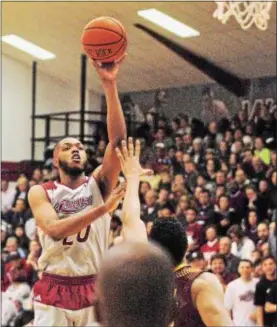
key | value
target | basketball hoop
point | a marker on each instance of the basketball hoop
(246, 13)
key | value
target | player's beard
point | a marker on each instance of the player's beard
(73, 172)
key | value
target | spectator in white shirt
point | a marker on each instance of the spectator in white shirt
(242, 246)
(7, 196)
(239, 296)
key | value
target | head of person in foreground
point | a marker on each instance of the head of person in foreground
(170, 235)
(135, 287)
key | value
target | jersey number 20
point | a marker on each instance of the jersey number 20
(79, 238)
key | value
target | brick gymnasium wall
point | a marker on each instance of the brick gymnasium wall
(11, 170)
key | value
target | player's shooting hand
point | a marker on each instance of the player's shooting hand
(129, 159)
(115, 197)
(108, 72)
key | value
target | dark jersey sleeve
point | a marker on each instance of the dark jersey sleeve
(259, 298)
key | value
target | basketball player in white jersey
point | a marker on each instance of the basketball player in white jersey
(73, 221)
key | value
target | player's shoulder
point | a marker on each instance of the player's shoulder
(50, 185)
(40, 190)
(206, 280)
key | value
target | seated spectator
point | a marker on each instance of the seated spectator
(144, 187)
(225, 216)
(165, 181)
(196, 260)
(232, 261)
(21, 191)
(163, 198)
(239, 296)
(261, 151)
(223, 151)
(242, 246)
(256, 255)
(263, 292)
(257, 171)
(115, 229)
(219, 268)
(150, 209)
(37, 176)
(263, 234)
(238, 201)
(12, 246)
(205, 209)
(211, 246)
(241, 179)
(23, 241)
(194, 231)
(256, 202)
(197, 151)
(166, 211)
(184, 203)
(251, 226)
(17, 215)
(7, 196)
(258, 270)
(16, 269)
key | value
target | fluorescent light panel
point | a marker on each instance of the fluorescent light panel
(28, 47)
(167, 22)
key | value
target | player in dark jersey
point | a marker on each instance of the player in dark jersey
(200, 298)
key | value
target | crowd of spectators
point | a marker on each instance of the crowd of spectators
(217, 177)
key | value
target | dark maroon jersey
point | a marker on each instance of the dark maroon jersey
(187, 314)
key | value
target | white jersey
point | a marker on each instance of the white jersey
(82, 253)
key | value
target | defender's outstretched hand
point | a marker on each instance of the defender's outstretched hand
(129, 159)
(108, 72)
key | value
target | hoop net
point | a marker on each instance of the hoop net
(246, 13)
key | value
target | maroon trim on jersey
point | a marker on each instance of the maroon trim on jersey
(83, 182)
(71, 293)
(48, 186)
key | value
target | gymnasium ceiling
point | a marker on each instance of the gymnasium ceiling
(57, 26)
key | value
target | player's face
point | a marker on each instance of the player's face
(71, 156)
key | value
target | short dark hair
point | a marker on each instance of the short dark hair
(203, 190)
(211, 226)
(220, 257)
(170, 234)
(268, 257)
(248, 261)
(237, 230)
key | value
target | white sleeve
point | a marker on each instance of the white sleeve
(229, 297)
(249, 247)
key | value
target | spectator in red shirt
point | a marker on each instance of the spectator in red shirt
(194, 231)
(211, 247)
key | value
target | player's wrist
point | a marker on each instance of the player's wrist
(109, 84)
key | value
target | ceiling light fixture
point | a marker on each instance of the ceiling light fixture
(27, 47)
(169, 23)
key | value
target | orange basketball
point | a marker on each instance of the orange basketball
(104, 39)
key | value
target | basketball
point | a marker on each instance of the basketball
(104, 39)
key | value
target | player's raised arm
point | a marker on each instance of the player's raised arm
(107, 175)
(133, 227)
(48, 220)
(208, 297)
